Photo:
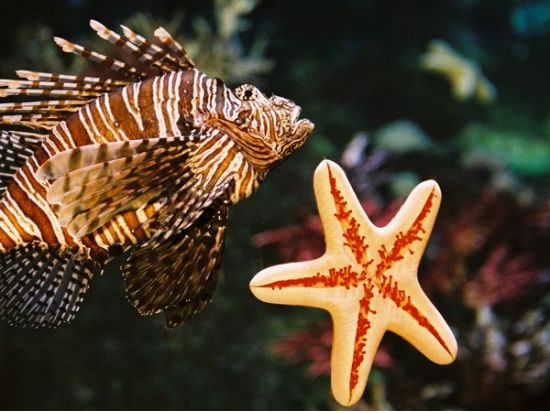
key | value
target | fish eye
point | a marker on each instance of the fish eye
(246, 92)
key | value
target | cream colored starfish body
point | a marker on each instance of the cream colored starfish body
(366, 279)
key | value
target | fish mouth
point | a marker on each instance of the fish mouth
(302, 126)
(295, 115)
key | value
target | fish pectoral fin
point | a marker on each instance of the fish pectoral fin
(93, 183)
(15, 149)
(42, 286)
(178, 274)
(99, 153)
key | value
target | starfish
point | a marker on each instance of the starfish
(366, 279)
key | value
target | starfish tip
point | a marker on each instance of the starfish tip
(262, 287)
(452, 350)
(429, 185)
(445, 359)
(326, 165)
(445, 351)
(258, 280)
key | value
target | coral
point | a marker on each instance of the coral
(464, 74)
(489, 288)
(402, 136)
(505, 149)
(217, 48)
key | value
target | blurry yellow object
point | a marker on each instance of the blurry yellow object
(465, 75)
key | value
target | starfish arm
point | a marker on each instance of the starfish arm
(328, 206)
(414, 221)
(309, 284)
(418, 321)
(347, 228)
(357, 335)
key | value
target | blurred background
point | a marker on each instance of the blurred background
(456, 91)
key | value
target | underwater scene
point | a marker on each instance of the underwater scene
(171, 172)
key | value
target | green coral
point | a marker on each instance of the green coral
(521, 153)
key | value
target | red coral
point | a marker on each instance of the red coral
(301, 242)
(305, 241)
(491, 249)
(502, 277)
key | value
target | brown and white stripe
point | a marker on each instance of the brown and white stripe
(111, 161)
(119, 116)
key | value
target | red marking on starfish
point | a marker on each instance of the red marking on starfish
(390, 288)
(363, 325)
(375, 282)
(386, 285)
(403, 241)
(414, 312)
(350, 227)
(343, 277)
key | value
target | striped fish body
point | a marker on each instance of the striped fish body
(151, 164)
(158, 107)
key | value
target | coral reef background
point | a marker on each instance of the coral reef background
(453, 90)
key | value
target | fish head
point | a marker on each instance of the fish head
(275, 119)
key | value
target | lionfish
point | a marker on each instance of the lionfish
(147, 164)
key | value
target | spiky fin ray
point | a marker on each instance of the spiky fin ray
(43, 287)
(56, 93)
(111, 63)
(63, 95)
(178, 274)
(157, 53)
(54, 77)
(47, 85)
(68, 93)
(166, 39)
(127, 45)
(38, 121)
(41, 106)
(15, 148)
